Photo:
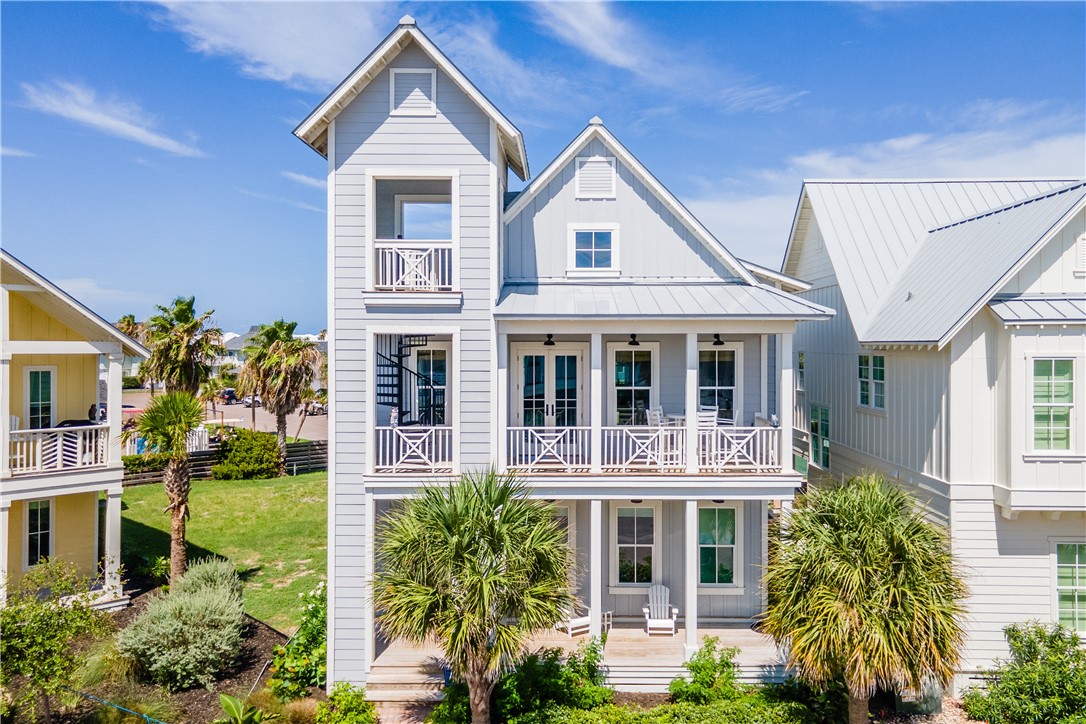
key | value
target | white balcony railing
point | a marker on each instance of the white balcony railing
(197, 440)
(54, 449)
(413, 266)
(644, 449)
(414, 449)
(755, 449)
(548, 449)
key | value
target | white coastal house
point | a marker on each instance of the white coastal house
(588, 333)
(956, 365)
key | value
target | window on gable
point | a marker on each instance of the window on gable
(1053, 403)
(412, 92)
(595, 178)
(592, 249)
(1071, 585)
(1080, 261)
(871, 376)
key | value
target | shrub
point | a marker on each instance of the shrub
(713, 676)
(138, 701)
(824, 706)
(131, 383)
(145, 463)
(300, 711)
(185, 638)
(346, 705)
(247, 455)
(239, 712)
(302, 662)
(1043, 681)
(747, 710)
(210, 574)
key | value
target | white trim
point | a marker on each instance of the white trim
(571, 520)
(20, 346)
(398, 201)
(53, 402)
(1053, 587)
(412, 299)
(737, 397)
(870, 405)
(1077, 393)
(572, 270)
(330, 270)
(738, 558)
(393, 110)
(497, 449)
(26, 529)
(633, 588)
(443, 346)
(517, 350)
(609, 382)
(666, 197)
(581, 161)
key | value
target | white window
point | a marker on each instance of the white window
(40, 395)
(593, 250)
(431, 385)
(412, 92)
(595, 178)
(1080, 252)
(634, 559)
(38, 520)
(720, 380)
(719, 533)
(801, 366)
(871, 378)
(1071, 585)
(1053, 403)
(820, 436)
(634, 382)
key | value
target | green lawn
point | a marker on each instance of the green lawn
(273, 530)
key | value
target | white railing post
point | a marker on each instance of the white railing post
(595, 411)
(503, 401)
(786, 394)
(114, 384)
(691, 403)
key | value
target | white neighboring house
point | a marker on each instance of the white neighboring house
(957, 366)
(572, 333)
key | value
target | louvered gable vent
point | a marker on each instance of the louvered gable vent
(595, 178)
(413, 92)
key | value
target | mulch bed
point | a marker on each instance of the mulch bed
(199, 705)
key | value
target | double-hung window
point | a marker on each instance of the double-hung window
(871, 375)
(717, 553)
(1053, 403)
(801, 365)
(39, 531)
(820, 436)
(718, 381)
(635, 539)
(1071, 585)
(633, 385)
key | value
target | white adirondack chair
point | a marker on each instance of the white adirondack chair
(577, 625)
(660, 615)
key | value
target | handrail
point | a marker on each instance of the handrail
(549, 449)
(58, 448)
(413, 448)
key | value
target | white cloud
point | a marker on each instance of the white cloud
(594, 29)
(16, 152)
(113, 116)
(309, 46)
(282, 200)
(92, 294)
(317, 183)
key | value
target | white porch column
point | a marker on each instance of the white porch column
(595, 413)
(113, 540)
(691, 403)
(5, 418)
(5, 508)
(763, 353)
(786, 400)
(369, 648)
(114, 385)
(595, 567)
(690, 577)
(503, 401)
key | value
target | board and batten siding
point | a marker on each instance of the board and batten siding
(1053, 269)
(367, 137)
(652, 242)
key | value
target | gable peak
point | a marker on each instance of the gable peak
(407, 20)
(595, 121)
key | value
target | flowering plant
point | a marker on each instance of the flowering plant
(302, 662)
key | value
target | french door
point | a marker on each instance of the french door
(550, 388)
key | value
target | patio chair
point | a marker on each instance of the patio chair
(577, 625)
(660, 615)
(708, 439)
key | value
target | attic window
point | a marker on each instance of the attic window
(413, 92)
(595, 178)
(1080, 261)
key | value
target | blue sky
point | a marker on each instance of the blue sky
(147, 148)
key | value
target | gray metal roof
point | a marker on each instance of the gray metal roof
(871, 229)
(653, 300)
(1040, 309)
(959, 266)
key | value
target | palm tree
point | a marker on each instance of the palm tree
(279, 368)
(183, 345)
(128, 326)
(476, 565)
(210, 392)
(165, 426)
(865, 589)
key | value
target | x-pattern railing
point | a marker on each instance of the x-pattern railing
(629, 448)
(739, 448)
(414, 266)
(415, 449)
(535, 449)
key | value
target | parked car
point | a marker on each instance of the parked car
(251, 400)
(229, 396)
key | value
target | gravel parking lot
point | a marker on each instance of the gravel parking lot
(314, 428)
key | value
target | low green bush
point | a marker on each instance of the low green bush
(747, 710)
(1043, 681)
(828, 705)
(713, 676)
(187, 637)
(210, 574)
(346, 705)
(145, 463)
(131, 383)
(247, 455)
(302, 662)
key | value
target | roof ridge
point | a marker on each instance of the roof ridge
(964, 180)
(1013, 205)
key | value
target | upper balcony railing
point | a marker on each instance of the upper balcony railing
(58, 449)
(413, 266)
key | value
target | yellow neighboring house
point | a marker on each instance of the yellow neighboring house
(60, 474)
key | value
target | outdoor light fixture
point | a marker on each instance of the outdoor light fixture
(635, 502)
(550, 341)
(718, 502)
(717, 341)
(633, 341)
